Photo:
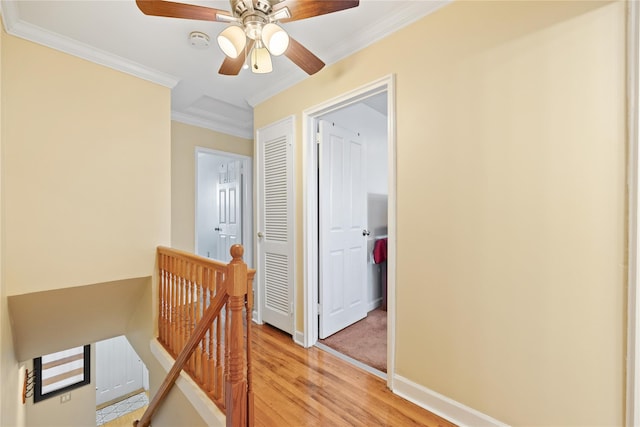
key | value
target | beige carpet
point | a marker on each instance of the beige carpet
(365, 341)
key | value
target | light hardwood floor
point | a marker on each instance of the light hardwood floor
(126, 420)
(295, 386)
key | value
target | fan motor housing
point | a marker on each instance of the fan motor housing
(263, 6)
(240, 7)
(253, 25)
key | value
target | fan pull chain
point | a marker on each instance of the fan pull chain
(246, 54)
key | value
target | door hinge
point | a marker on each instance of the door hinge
(319, 309)
(318, 138)
(291, 309)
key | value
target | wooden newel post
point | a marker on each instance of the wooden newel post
(235, 383)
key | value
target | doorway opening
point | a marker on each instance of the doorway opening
(223, 204)
(353, 202)
(350, 110)
(122, 382)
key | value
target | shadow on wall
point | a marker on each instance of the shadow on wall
(50, 321)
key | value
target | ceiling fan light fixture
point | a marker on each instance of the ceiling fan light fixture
(232, 41)
(261, 60)
(275, 39)
(250, 18)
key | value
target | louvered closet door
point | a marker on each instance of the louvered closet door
(275, 224)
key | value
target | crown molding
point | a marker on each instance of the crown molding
(9, 12)
(273, 89)
(403, 16)
(221, 126)
(19, 28)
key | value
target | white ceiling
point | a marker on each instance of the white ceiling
(116, 34)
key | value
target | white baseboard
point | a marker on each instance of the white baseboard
(443, 406)
(374, 304)
(298, 338)
(256, 319)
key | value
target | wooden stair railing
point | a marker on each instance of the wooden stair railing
(200, 324)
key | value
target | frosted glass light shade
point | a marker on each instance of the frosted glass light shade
(275, 39)
(232, 41)
(261, 61)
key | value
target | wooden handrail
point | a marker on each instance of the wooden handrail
(193, 291)
(214, 309)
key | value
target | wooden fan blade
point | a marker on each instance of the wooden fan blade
(181, 10)
(302, 9)
(303, 58)
(232, 66)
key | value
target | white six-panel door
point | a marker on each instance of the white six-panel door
(119, 370)
(343, 217)
(229, 209)
(275, 267)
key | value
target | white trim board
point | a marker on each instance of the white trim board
(374, 304)
(298, 338)
(359, 364)
(218, 125)
(442, 406)
(405, 13)
(632, 416)
(27, 31)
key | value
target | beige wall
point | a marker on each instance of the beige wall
(511, 203)
(118, 301)
(184, 140)
(86, 168)
(86, 186)
(79, 411)
(11, 408)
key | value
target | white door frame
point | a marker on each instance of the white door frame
(310, 210)
(247, 200)
(633, 184)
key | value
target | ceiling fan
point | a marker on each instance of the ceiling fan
(254, 34)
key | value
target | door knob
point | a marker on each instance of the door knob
(217, 229)
(260, 235)
(365, 232)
